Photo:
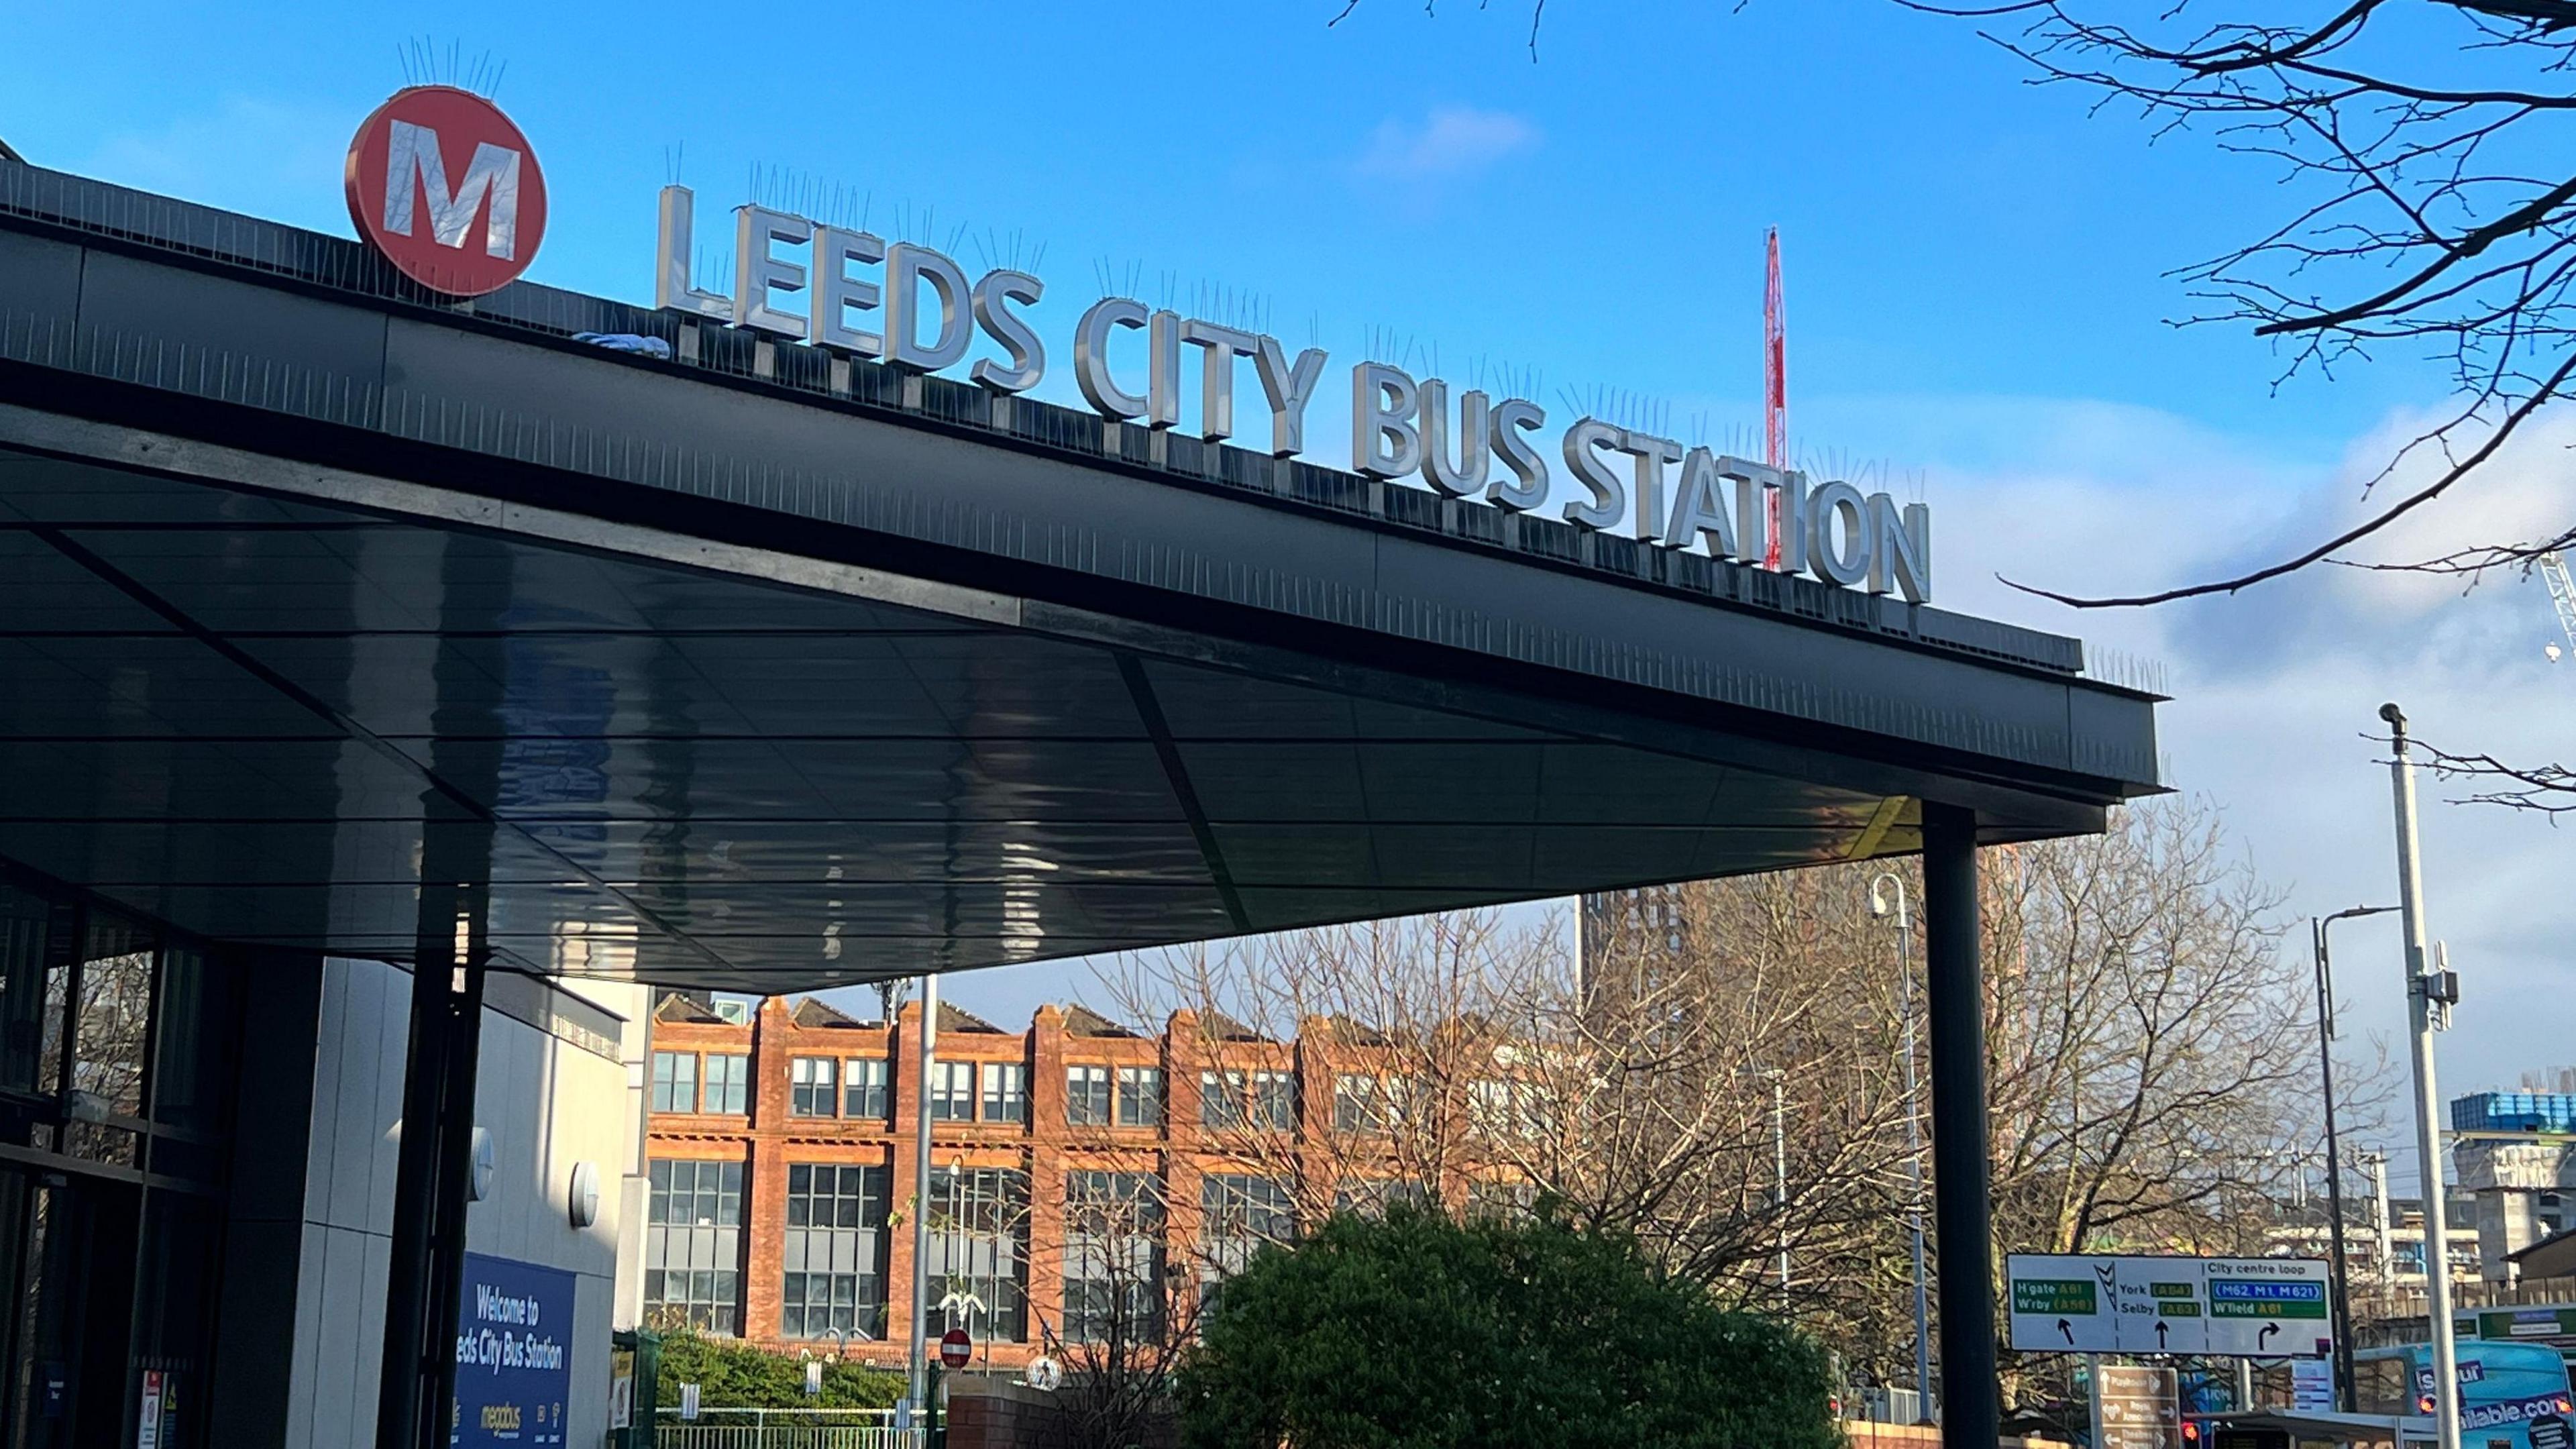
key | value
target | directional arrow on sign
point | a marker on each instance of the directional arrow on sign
(2268, 1330)
(2066, 1328)
(2160, 1333)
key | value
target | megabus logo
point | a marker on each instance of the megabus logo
(448, 190)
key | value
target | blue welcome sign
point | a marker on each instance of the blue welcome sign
(513, 1356)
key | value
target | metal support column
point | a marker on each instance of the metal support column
(433, 1166)
(1955, 1010)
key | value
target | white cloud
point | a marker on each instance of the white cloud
(1453, 141)
(2276, 689)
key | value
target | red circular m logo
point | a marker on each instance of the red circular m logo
(448, 190)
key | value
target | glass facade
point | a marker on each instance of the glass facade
(835, 1252)
(693, 1245)
(118, 1048)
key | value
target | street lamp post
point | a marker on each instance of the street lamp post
(2317, 931)
(1886, 897)
(2420, 1000)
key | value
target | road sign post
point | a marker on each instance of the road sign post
(2224, 1307)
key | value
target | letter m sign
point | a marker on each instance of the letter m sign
(423, 215)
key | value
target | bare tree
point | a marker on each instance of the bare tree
(2547, 789)
(2424, 209)
(1131, 1310)
(2150, 1060)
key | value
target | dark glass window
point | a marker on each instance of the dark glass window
(1086, 1096)
(834, 1251)
(693, 1245)
(979, 1251)
(1140, 1096)
(864, 1088)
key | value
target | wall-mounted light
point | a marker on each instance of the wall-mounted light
(585, 1194)
(478, 1173)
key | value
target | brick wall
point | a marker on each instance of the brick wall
(768, 1138)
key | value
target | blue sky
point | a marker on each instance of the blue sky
(1976, 280)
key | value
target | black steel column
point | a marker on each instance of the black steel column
(410, 1277)
(1955, 1010)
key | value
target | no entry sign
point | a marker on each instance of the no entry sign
(448, 189)
(955, 1348)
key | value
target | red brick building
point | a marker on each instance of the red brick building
(782, 1163)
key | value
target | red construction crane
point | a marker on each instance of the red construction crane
(1775, 388)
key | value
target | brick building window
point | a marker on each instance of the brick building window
(1359, 1103)
(1086, 1096)
(1239, 1214)
(864, 1088)
(811, 1086)
(979, 1252)
(1140, 1096)
(1496, 1200)
(1220, 1099)
(675, 1081)
(693, 1245)
(728, 1083)
(952, 1091)
(1113, 1258)
(1370, 1196)
(834, 1251)
(1006, 1092)
(1272, 1101)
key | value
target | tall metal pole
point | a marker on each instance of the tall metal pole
(2319, 930)
(1780, 1173)
(2428, 1145)
(1962, 1173)
(2379, 1219)
(920, 1358)
(1880, 905)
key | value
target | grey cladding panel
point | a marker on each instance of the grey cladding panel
(170, 306)
(39, 280)
(1741, 657)
(855, 469)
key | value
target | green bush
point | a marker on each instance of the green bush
(732, 1374)
(1416, 1332)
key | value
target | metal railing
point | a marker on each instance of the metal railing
(782, 1429)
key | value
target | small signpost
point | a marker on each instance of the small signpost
(2136, 1408)
(956, 1350)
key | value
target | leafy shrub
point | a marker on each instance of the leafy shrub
(1416, 1332)
(732, 1374)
